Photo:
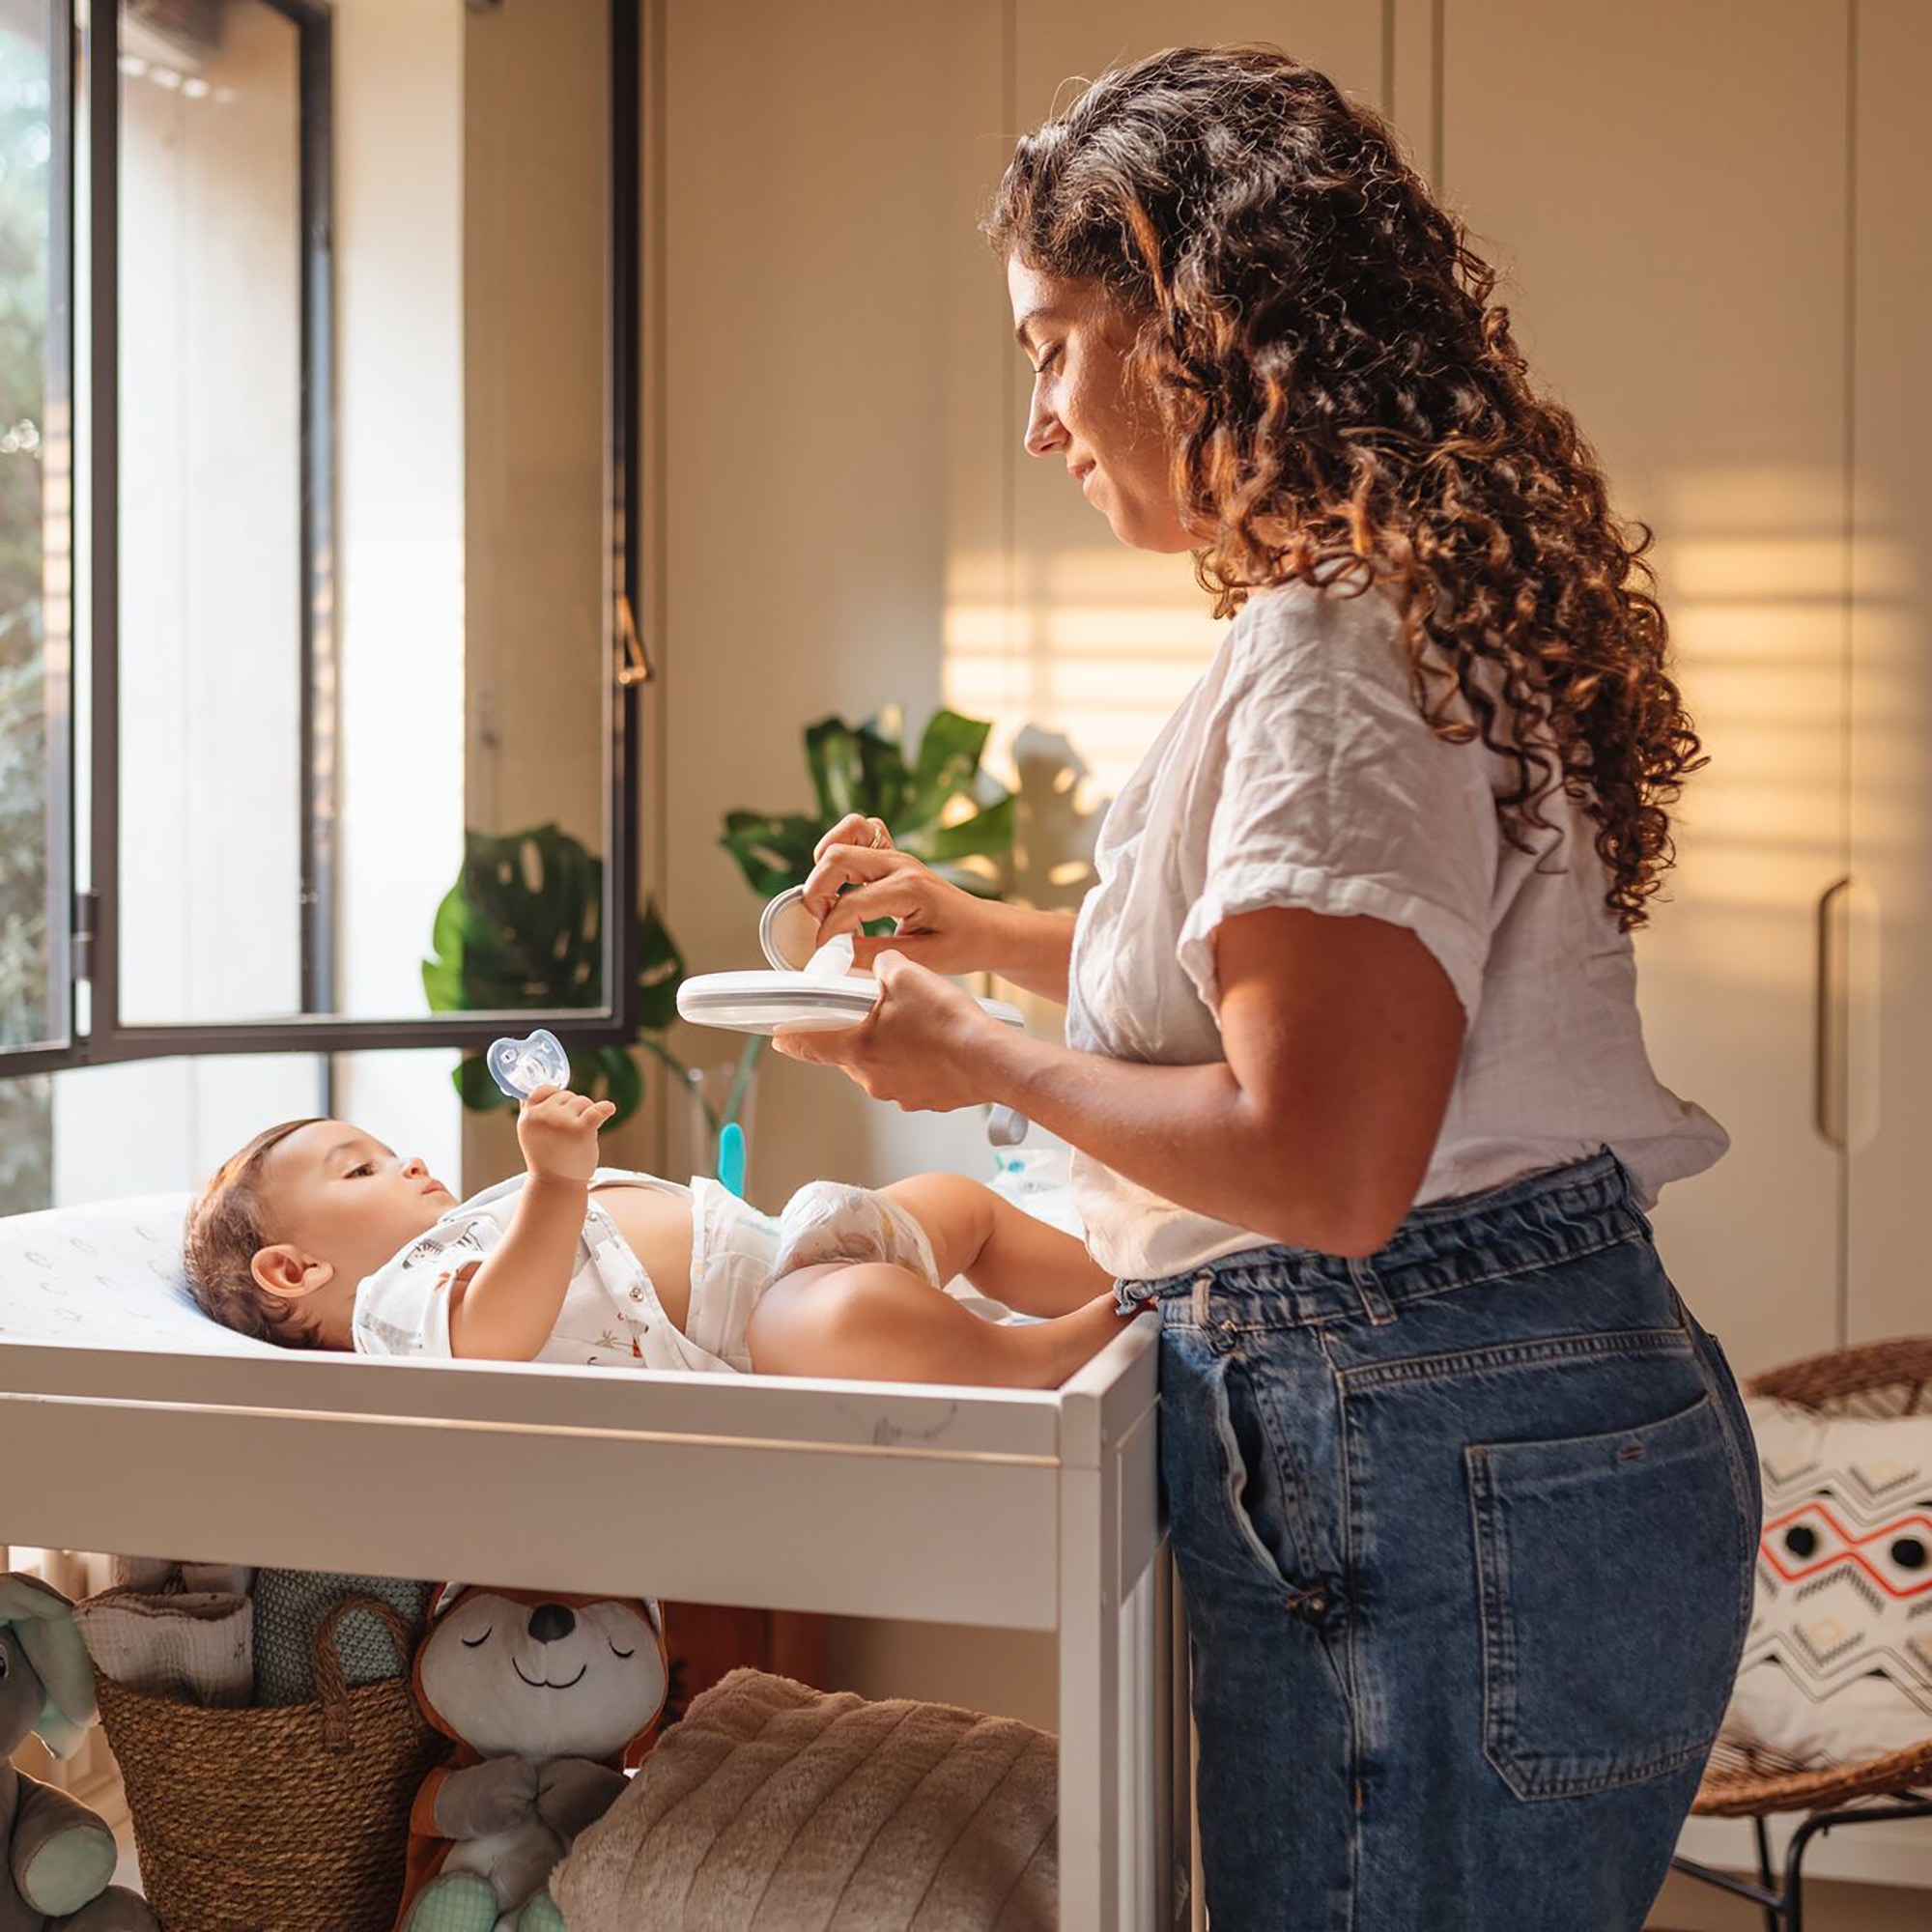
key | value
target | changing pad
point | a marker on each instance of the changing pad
(107, 1275)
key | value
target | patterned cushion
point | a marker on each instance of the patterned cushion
(1837, 1668)
(290, 1605)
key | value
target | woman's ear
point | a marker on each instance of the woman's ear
(285, 1270)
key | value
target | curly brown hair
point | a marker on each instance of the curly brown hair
(1346, 407)
(226, 1227)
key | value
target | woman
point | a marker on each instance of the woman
(1463, 1498)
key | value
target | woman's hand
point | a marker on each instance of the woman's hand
(924, 1044)
(941, 926)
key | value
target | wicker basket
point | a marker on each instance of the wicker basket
(294, 1817)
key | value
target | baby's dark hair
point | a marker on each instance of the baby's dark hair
(225, 1229)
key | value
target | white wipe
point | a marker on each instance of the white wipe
(832, 961)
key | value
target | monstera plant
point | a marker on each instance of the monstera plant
(938, 803)
(523, 925)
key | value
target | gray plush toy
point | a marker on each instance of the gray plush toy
(58, 1855)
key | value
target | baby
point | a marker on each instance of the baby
(316, 1235)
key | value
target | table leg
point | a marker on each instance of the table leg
(1090, 1702)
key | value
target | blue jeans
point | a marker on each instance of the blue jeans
(1467, 1530)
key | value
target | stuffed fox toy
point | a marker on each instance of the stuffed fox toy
(547, 1697)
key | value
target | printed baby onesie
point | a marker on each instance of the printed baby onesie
(610, 1316)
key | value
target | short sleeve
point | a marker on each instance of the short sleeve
(1327, 790)
(403, 1308)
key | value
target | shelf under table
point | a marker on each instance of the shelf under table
(1022, 1509)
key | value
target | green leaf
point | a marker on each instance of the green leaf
(442, 986)
(949, 750)
(660, 968)
(623, 1082)
(772, 853)
(886, 785)
(832, 756)
(988, 831)
(475, 1087)
(521, 927)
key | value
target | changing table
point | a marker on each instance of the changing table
(1017, 1509)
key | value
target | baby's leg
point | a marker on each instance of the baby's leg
(876, 1323)
(1005, 1252)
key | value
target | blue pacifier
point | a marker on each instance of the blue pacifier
(520, 1066)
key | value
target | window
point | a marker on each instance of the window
(351, 349)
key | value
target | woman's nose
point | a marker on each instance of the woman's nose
(1042, 431)
(415, 1167)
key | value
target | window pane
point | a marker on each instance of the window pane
(347, 708)
(34, 554)
(209, 514)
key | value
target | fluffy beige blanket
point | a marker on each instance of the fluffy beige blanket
(774, 1806)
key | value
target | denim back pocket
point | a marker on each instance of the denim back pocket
(1614, 1574)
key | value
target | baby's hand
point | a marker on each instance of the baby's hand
(557, 1132)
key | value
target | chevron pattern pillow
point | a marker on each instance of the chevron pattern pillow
(1837, 1668)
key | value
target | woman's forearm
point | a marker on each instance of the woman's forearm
(1032, 948)
(506, 1310)
(1187, 1133)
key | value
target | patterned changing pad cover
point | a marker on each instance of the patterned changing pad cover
(107, 1275)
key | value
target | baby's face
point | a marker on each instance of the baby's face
(339, 1193)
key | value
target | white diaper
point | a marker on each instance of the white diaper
(738, 1252)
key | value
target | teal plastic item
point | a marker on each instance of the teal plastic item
(731, 1159)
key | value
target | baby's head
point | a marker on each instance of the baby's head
(281, 1235)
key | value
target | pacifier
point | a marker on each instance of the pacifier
(520, 1066)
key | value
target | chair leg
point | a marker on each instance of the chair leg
(1794, 1875)
(1773, 1918)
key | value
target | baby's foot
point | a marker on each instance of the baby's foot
(830, 1221)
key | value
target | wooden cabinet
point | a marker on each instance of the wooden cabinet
(1887, 996)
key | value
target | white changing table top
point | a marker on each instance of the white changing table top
(889, 1500)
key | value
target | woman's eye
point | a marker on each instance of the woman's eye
(367, 1167)
(1046, 361)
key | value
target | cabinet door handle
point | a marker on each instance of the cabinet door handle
(1828, 1094)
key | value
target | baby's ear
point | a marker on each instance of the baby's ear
(284, 1269)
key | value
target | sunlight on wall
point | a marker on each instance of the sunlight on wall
(1100, 646)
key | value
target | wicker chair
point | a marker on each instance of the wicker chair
(1881, 1377)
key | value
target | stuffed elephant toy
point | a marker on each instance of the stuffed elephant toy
(58, 1855)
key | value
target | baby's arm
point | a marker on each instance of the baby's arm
(505, 1308)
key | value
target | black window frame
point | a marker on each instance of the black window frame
(88, 951)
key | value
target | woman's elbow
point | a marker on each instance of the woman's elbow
(1328, 1216)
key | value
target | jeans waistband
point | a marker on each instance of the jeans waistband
(1537, 1220)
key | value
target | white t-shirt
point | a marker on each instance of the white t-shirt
(1299, 772)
